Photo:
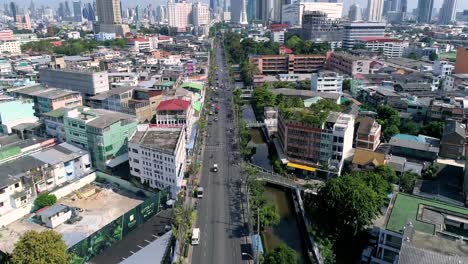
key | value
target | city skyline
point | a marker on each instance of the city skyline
(461, 5)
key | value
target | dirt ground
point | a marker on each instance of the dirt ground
(99, 209)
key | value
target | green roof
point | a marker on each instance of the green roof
(57, 112)
(197, 106)
(197, 86)
(406, 208)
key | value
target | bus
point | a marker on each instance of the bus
(196, 236)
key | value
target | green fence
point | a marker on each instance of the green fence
(102, 239)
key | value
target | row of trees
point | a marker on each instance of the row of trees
(71, 47)
(388, 117)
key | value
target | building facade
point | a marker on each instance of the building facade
(356, 30)
(424, 15)
(374, 10)
(390, 48)
(326, 81)
(349, 64)
(368, 134)
(158, 158)
(292, 13)
(461, 63)
(276, 64)
(179, 14)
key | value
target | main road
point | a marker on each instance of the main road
(220, 217)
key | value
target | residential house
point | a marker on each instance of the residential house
(416, 147)
(368, 134)
(452, 144)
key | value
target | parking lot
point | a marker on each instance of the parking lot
(99, 209)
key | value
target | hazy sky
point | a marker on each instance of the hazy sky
(462, 4)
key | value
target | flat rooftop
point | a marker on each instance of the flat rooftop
(45, 92)
(406, 208)
(158, 139)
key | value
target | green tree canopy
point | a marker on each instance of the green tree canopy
(409, 127)
(40, 248)
(269, 215)
(433, 129)
(407, 181)
(281, 255)
(433, 56)
(387, 173)
(389, 118)
(44, 200)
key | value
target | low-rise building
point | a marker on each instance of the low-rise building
(443, 110)
(452, 144)
(158, 157)
(11, 47)
(319, 146)
(416, 147)
(15, 112)
(390, 48)
(276, 64)
(349, 64)
(54, 215)
(368, 134)
(47, 99)
(102, 132)
(326, 81)
(174, 113)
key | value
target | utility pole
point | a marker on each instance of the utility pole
(258, 231)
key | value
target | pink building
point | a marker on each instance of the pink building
(6, 35)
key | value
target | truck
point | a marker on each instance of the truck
(196, 236)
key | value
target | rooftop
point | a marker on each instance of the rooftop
(99, 118)
(366, 125)
(114, 91)
(419, 142)
(406, 208)
(379, 39)
(45, 92)
(60, 153)
(158, 139)
(11, 172)
(53, 210)
(173, 105)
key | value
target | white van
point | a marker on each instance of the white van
(196, 236)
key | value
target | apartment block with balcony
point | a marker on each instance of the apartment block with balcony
(158, 157)
(174, 113)
(47, 99)
(368, 134)
(288, 64)
(323, 146)
(349, 64)
(390, 48)
(102, 132)
(327, 81)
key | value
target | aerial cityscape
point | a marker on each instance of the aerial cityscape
(231, 132)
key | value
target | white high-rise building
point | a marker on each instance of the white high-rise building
(179, 14)
(374, 10)
(447, 12)
(355, 13)
(292, 13)
(201, 14)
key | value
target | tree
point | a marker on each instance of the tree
(41, 248)
(433, 56)
(431, 172)
(281, 255)
(433, 129)
(346, 205)
(409, 127)
(387, 173)
(360, 46)
(407, 181)
(262, 97)
(269, 215)
(44, 200)
(413, 56)
(347, 85)
(389, 118)
(248, 71)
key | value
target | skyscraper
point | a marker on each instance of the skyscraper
(236, 9)
(109, 11)
(13, 10)
(179, 14)
(355, 13)
(201, 14)
(77, 11)
(425, 11)
(447, 12)
(374, 10)
(88, 12)
(110, 17)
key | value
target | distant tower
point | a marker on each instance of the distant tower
(374, 10)
(243, 14)
(425, 11)
(355, 13)
(447, 12)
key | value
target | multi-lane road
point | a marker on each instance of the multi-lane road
(220, 216)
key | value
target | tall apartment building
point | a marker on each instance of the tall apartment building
(374, 10)
(292, 14)
(447, 12)
(424, 15)
(179, 14)
(110, 17)
(368, 134)
(357, 30)
(391, 48)
(23, 22)
(158, 157)
(322, 147)
(201, 14)
(47, 99)
(275, 64)
(326, 81)
(85, 81)
(461, 62)
(349, 64)
(355, 13)
(317, 27)
(102, 132)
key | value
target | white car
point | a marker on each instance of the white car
(215, 167)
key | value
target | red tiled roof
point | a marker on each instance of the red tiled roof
(164, 37)
(139, 39)
(379, 39)
(173, 105)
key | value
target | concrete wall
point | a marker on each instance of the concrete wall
(74, 186)
(14, 215)
(122, 183)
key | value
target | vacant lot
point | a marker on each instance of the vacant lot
(99, 209)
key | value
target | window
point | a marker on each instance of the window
(137, 170)
(135, 151)
(1, 204)
(17, 185)
(109, 148)
(136, 161)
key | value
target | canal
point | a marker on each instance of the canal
(287, 231)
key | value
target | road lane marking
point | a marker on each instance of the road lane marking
(139, 246)
(147, 241)
(154, 235)
(132, 252)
